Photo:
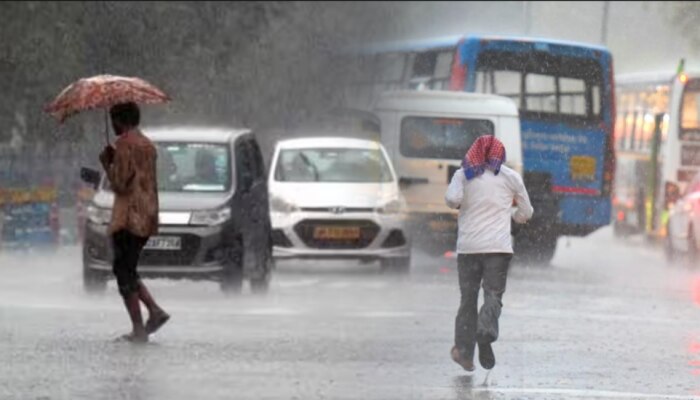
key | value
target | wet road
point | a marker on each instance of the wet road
(609, 319)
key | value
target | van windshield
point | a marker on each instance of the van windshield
(441, 138)
(333, 165)
(191, 167)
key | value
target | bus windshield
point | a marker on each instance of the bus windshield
(690, 110)
(545, 86)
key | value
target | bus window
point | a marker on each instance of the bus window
(689, 114)
(443, 67)
(540, 94)
(595, 94)
(543, 73)
(503, 83)
(573, 97)
(424, 64)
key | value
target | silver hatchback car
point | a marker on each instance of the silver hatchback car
(214, 218)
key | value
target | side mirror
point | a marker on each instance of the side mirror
(90, 176)
(671, 194)
(406, 181)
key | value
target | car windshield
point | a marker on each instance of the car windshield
(333, 165)
(192, 167)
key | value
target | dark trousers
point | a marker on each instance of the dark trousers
(127, 249)
(490, 271)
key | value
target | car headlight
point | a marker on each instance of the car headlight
(392, 207)
(278, 204)
(98, 215)
(210, 217)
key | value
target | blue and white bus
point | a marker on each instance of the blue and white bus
(565, 95)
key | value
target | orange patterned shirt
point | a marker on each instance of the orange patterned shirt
(132, 176)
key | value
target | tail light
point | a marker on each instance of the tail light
(620, 216)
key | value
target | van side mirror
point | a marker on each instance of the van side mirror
(90, 176)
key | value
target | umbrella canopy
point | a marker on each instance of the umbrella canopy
(103, 91)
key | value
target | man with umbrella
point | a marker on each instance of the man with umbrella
(130, 166)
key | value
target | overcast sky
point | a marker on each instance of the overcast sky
(640, 34)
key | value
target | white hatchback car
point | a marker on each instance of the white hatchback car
(337, 198)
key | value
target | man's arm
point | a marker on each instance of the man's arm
(121, 171)
(455, 190)
(523, 211)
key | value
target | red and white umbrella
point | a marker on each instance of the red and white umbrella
(103, 91)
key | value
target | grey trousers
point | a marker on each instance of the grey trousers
(490, 271)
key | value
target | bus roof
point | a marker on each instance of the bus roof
(451, 41)
(442, 101)
(650, 78)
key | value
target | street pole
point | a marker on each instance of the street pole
(604, 24)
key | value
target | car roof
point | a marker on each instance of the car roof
(443, 101)
(206, 134)
(328, 142)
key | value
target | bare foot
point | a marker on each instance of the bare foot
(134, 337)
(457, 357)
(156, 320)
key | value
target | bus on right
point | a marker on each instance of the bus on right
(657, 143)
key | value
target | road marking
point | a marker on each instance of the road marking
(585, 393)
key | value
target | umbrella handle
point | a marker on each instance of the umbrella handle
(107, 128)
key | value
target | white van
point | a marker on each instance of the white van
(427, 134)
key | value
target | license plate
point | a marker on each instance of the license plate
(582, 168)
(337, 232)
(163, 243)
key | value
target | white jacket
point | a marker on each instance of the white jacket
(485, 206)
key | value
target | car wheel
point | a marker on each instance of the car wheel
(398, 266)
(232, 275)
(94, 282)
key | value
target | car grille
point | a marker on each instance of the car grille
(184, 256)
(305, 231)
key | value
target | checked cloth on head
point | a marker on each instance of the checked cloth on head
(487, 152)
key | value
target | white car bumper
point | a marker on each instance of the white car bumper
(382, 236)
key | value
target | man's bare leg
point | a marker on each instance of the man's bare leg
(133, 307)
(157, 317)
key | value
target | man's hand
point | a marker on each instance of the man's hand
(107, 156)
